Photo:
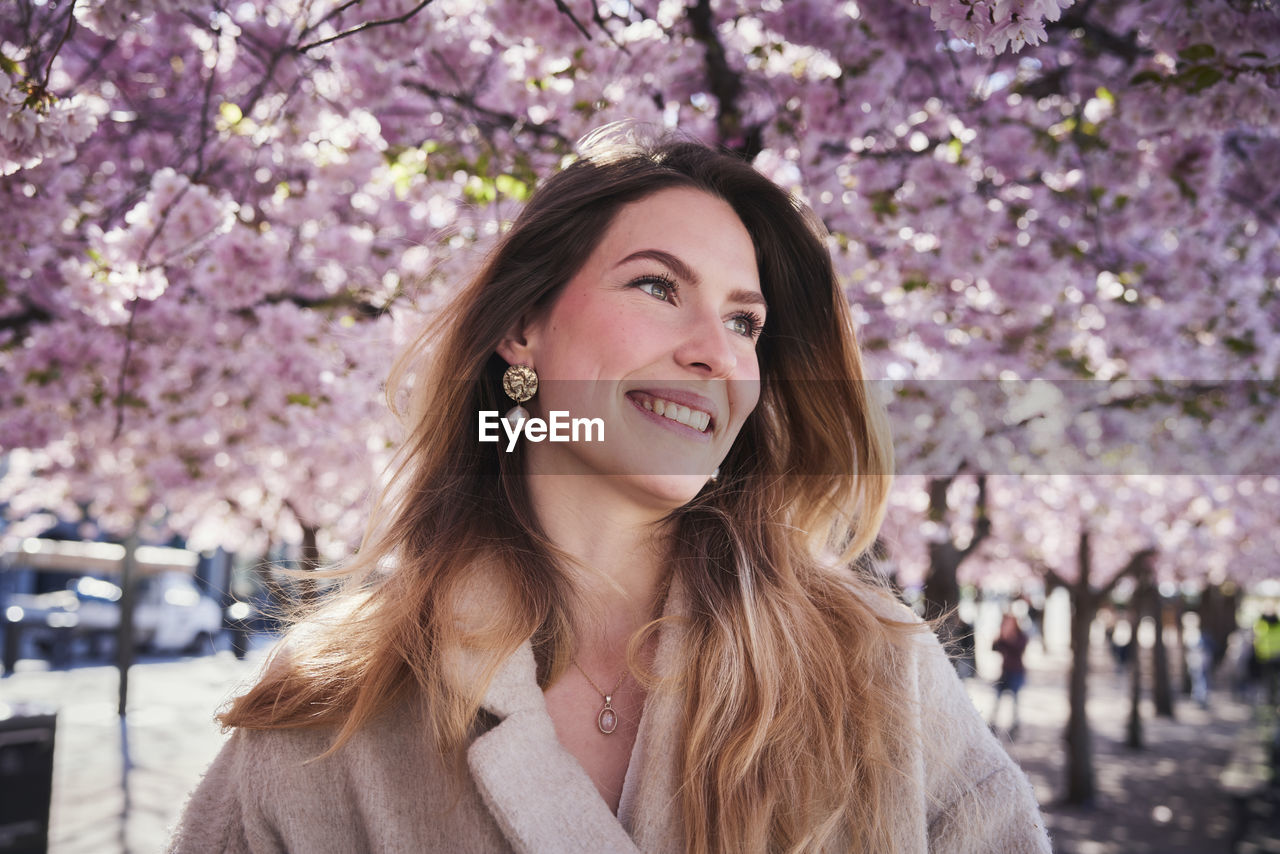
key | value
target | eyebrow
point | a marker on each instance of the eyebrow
(684, 271)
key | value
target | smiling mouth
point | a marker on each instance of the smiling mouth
(679, 413)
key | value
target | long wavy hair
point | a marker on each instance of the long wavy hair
(789, 713)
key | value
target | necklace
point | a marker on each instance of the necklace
(607, 720)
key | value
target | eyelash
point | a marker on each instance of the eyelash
(755, 323)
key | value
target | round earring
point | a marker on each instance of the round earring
(715, 475)
(520, 382)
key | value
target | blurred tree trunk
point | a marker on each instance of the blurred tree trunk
(1139, 608)
(941, 583)
(124, 629)
(1184, 669)
(1084, 607)
(266, 578)
(309, 561)
(1133, 731)
(1085, 601)
(1162, 686)
(309, 558)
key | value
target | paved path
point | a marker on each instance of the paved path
(1164, 800)
(101, 804)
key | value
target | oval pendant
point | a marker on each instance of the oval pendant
(515, 415)
(608, 719)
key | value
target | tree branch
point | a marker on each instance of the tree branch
(725, 85)
(565, 10)
(329, 16)
(510, 121)
(31, 314)
(981, 521)
(367, 25)
(66, 34)
(204, 112)
(1052, 575)
(1125, 46)
(1139, 563)
(124, 369)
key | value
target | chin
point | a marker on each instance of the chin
(666, 492)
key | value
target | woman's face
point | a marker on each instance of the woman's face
(656, 336)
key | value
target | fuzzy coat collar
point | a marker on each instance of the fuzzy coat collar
(539, 795)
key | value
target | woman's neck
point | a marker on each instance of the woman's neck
(616, 555)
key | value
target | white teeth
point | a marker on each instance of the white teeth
(681, 414)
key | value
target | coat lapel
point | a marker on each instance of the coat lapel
(538, 794)
(654, 814)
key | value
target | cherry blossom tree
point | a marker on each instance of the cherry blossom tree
(223, 217)
(1056, 223)
(1092, 536)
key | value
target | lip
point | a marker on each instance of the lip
(690, 399)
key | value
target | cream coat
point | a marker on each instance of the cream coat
(385, 791)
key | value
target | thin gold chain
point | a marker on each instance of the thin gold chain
(621, 679)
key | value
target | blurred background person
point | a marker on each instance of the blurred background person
(1011, 643)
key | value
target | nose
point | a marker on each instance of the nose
(707, 348)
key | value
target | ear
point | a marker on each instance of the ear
(519, 345)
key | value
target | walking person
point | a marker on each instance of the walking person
(1266, 651)
(1011, 643)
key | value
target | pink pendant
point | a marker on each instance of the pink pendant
(608, 719)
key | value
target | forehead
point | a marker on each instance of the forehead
(700, 229)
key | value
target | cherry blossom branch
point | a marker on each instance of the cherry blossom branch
(329, 16)
(31, 315)
(516, 124)
(1138, 563)
(1050, 574)
(367, 25)
(66, 34)
(124, 369)
(982, 521)
(596, 17)
(566, 11)
(1125, 46)
(92, 67)
(726, 85)
(204, 111)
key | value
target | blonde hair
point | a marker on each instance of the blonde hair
(790, 723)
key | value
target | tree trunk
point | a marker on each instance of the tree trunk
(941, 585)
(1079, 739)
(1133, 737)
(1084, 608)
(309, 560)
(124, 630)
(1162, 687)
(1184, 670)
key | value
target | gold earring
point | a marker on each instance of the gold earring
(520, 382)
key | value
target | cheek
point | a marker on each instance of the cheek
(744, 397)
(608, 343)
(576, 341)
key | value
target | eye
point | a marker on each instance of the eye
(748, 324)
(657, 286)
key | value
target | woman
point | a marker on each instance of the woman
(650, 640)
(1011, 643)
